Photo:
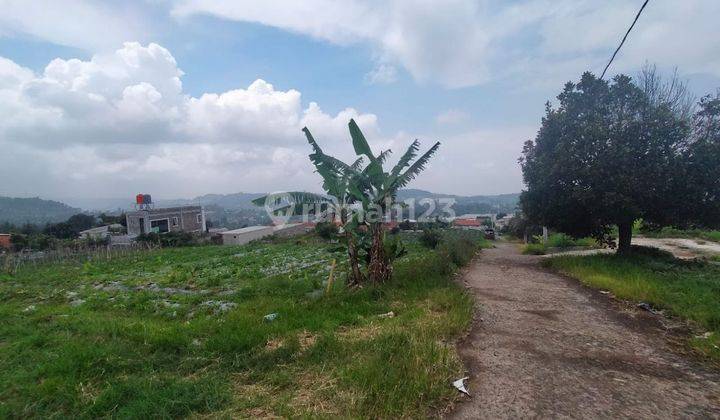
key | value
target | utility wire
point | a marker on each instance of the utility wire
(624, 38)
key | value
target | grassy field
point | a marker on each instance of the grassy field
(690, 290)
(179, 332)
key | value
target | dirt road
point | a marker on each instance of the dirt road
(544, 346)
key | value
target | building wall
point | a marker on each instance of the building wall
(188, 219)
(292, 230)
(5, 241)
(241, 238)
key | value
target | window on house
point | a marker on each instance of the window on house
(175, 221)
(198, 217)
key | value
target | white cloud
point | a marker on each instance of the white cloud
(122, 118)
(381, 74)
(460, 43)
(84, 24)
(478, 162)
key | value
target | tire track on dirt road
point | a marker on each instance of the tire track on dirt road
(545, 346)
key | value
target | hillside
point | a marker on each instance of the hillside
(243, 200)
(34, 210)
(239, 200)
(468, 204)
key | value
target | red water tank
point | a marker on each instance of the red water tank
(139, 199)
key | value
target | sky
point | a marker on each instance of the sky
(184, 98)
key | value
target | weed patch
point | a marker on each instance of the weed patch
(690, 290)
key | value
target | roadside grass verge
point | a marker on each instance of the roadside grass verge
(687, 289)
(181, 332)
(558, 241)
(534, 249)
(668, 232)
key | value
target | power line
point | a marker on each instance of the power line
(625, 37)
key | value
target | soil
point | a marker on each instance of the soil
(543, 345)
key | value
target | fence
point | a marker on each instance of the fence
(12, 261)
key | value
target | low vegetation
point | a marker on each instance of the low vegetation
(534, 249)
(668, 232)
(558, 241)
(183, 331)
(687, 289)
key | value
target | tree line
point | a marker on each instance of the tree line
(40, 237)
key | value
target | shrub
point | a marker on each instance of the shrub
(560, 240)
(431, 238)
(534, 249)
(169, 239)
(587, 242)
(326, 230)
(394, 248)
(458, 251)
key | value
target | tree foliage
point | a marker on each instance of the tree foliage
(609, 154)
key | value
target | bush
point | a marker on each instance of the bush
(33, 241)
(534, 249)
(560, 240)
(430, 238)
(169, 239)
(458, 251)
(326, 230)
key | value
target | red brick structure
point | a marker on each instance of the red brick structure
(5, 241)
(467, 223)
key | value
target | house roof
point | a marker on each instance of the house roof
(246, 230)
(476, 216)
(467, 222)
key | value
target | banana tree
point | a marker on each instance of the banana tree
(377, 191)
(336, 177)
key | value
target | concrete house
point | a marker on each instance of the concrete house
(100, 232)
(171, 219)
(245, 235)
(250, 233)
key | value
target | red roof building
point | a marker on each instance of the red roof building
(475, 223)
(5, 240)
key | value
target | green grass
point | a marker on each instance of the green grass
(690, 290)
(534, 249)
(667, 232)
(179, 332)
(557, 241)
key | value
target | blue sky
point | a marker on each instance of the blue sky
(127, 103)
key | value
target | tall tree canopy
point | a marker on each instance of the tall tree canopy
(609, 154)
(704, 162)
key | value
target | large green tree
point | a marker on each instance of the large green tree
(703, 157)
(609, 154)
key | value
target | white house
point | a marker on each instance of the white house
(245, 235)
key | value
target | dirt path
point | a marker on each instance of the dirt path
(544, 346)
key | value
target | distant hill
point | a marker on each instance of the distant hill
(34, 210)
(243, 200)
(228, 201)
(468, 203)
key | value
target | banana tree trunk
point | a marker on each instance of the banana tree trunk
(356, 277)
(379, 267)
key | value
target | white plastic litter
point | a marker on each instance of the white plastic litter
(460, 385)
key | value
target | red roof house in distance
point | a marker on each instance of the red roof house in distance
(468, 223)
(5, 240)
